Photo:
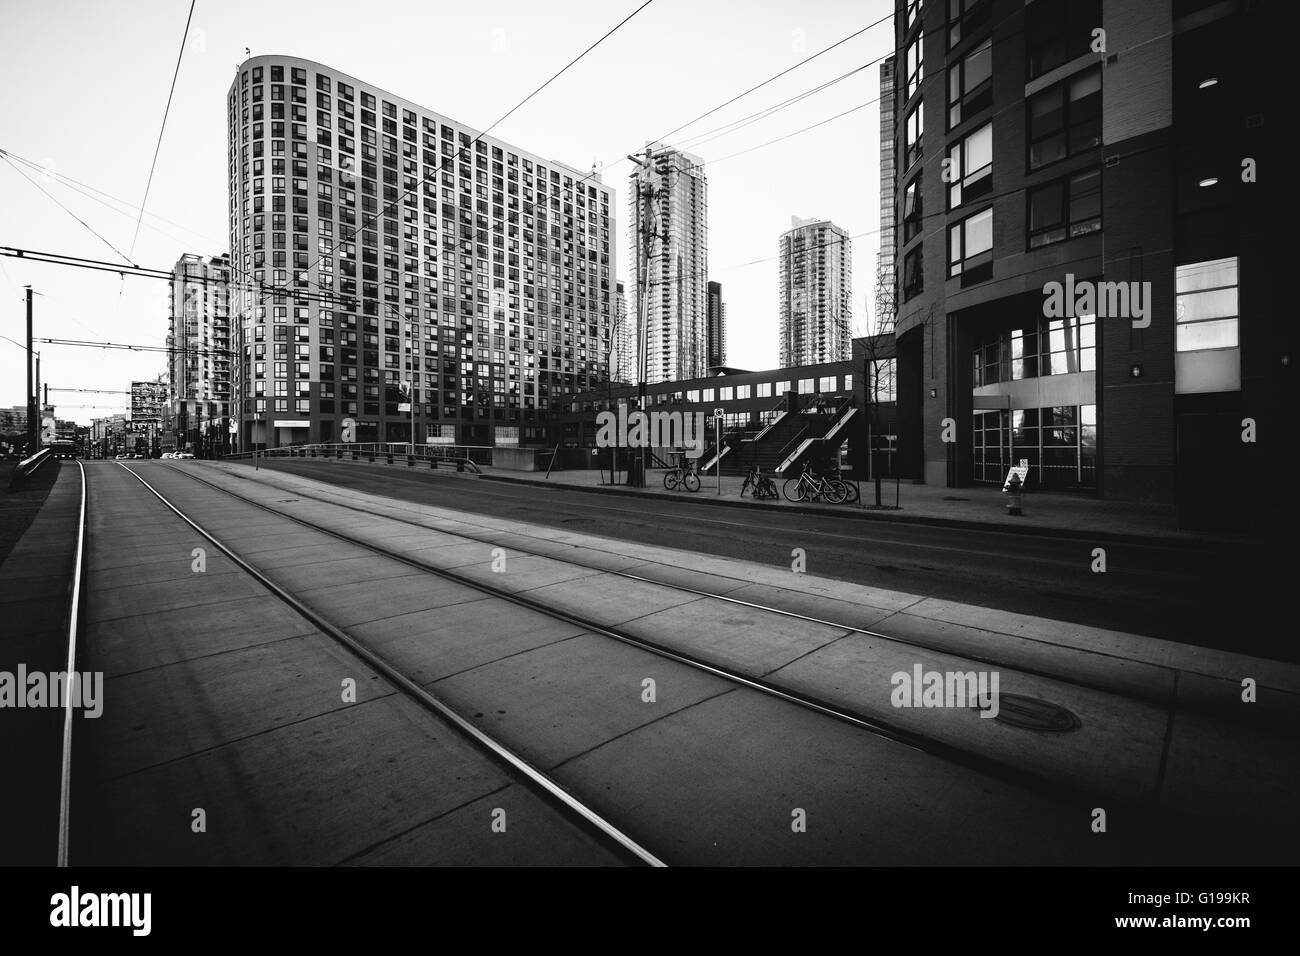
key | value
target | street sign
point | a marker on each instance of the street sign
(718, 413)
(1022, 470)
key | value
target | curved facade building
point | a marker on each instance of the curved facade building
(379, 249)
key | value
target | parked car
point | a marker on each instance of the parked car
(183, 454)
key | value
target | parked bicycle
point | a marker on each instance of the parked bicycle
(810, 487)
(759, 484)
(682, 475)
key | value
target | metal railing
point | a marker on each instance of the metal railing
(28, 467)
(460, 455)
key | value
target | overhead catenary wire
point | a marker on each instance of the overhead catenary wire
(180, 55)
(56, 202)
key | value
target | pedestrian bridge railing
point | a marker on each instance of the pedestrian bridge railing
(462, 456)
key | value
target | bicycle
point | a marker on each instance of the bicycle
(684, 476)
(810, 487)
(759, 484)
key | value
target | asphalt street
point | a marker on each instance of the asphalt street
(1225, 599)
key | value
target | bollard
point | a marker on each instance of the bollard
(410, 461)
(355, 454)
(390, 457)
(372, 457)
(340, 453)
(433, 464)
(460, 464)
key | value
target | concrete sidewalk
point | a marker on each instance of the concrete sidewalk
(1045, 513)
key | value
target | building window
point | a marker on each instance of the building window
(913, 284)
(912, 214)
(913, 11)
(1058, 442)
(806, 386)
(970, 167)
(1065, 209)
(965, 17)
(913, 130)
(826, 383)
(915, 63)
(970, 248)
(1058, 31)
(1038, 348)
(970, 84)
(1207, 305)
(764, 390)
(884, 380)
(1065, 119)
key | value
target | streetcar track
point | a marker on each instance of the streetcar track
(537, 779)
(923, 743)
(1163, 701)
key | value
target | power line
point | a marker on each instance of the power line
(86, 190)
(770, 142)
(158, 146)
(726, 129)
(566, 67)
(777, 76)
(56, 202)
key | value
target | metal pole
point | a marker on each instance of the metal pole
(31, 391)
(717, 450)
(41, 410)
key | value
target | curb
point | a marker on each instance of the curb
(890, 516)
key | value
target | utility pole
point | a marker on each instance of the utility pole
(647, 194)
(31, 391)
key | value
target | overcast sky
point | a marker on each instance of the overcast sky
(86, 83)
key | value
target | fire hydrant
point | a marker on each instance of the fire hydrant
(1012, 491)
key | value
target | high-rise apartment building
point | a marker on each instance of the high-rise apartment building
(410, 250)
(622, 361)
(670, 261)
(816, 276)
(201, 358)
(886, 292)
(717, 326)
(1089, 282)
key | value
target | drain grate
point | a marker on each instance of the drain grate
(1029, 713)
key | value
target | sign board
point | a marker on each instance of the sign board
(349, 430)
(403, 406)
(1022, 470)
(718, 413)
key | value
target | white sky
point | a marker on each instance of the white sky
(85, 83)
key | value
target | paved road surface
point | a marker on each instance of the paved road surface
(1173, 592)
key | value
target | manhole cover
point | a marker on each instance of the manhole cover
(951, 498)
(1029, 713)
